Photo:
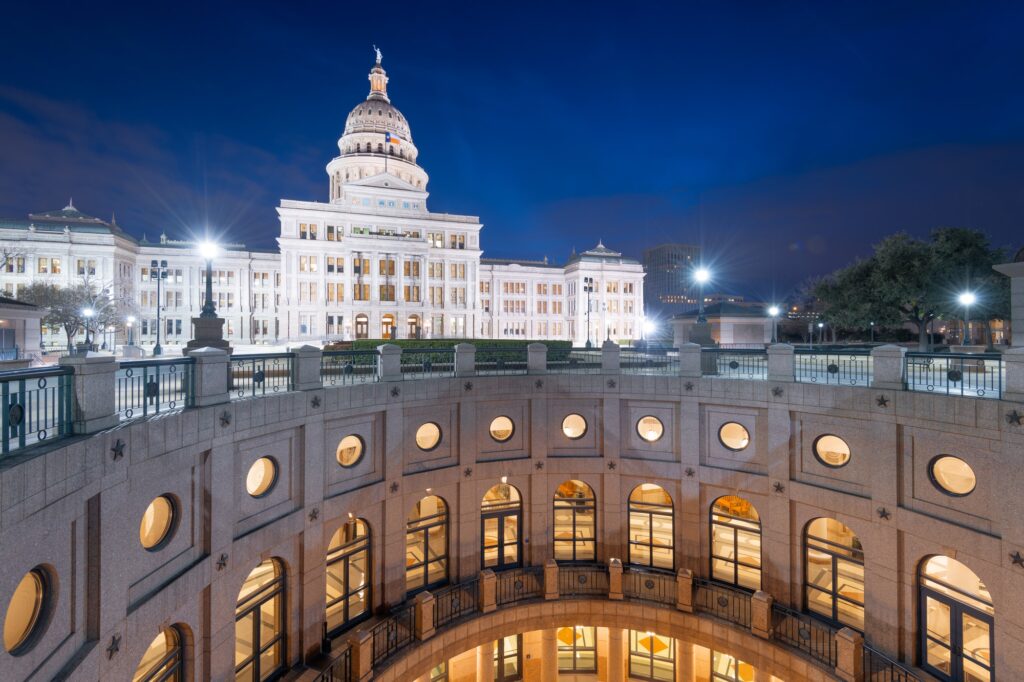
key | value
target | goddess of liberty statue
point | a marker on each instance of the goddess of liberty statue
(377, 50)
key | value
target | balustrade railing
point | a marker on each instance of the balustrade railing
(650, 586)
(500, 360)
(393, 634)
(251, 375)
(347, 367)
(723, 601)
(810, 635)
(966, 374)
(339, 669)
(418, 363)
(145, 387)
(850, 367)
(455, 601)
(574, 360)
(880, 668)
(519, 584)
(582, 581)
(736, 363)
(633, 361)
(35, 406)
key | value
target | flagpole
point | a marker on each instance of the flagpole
(387, 148)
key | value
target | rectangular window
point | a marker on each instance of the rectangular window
(726, 668)
(436, 239)
(43, 266)
(386, 266)
(412, 293)
(542, 289)
(458, 241)
(653, 657)
(577, 649)
(303, 231)
(361, 292)
(387, 292)
(485, 287)
(330, 233)
(612, 287)
(508, 659)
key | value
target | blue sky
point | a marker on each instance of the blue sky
(785, 138)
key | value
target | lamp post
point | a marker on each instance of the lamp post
(157, 273)
(130, 323)
(208, 250)
(967, 299)
(88, 314)
(701, 276)
(872, 332)
(588, 287)
(821, 333)
(774, 312)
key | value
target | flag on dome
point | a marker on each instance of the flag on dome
(392, 139)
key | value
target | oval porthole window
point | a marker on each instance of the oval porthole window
(832, 451)
(502, 429)
(24, 617)
(650, 428)
(574, 426)
(952, 475)
(261, 477)
(428, 436)
(157, 523)
(734, 436)
(350, 450)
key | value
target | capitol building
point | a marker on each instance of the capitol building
(371, 262)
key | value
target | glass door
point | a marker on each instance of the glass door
(956, 641)
(499, 535)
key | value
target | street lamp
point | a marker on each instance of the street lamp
(648, 327)
(967, 299)
(872, 332)
(130, 323)
(157, 273)
(588, 287)
(88, 314)
(701, 276)
(208, 250)
(774, 312)
(821, 333)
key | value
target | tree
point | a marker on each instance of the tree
(9, 255)
(65, 305)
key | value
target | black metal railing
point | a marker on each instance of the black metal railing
(850, 367)
(582, 581)
(501, 360)
(347, 367)
(574, 360)
(734, 363)
(880, 668)
(810, 635)
(145, 387)
(393, 634)
(976, 375)
(456, 601)
(35, 406)
(722, 601)
(655, 586)
(339, 669)
(251, 375)
(418, 363)
(519, 584)
(633, 361)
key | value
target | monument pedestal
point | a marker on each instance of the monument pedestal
(208, 332)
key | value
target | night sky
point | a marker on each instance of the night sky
(785, 138)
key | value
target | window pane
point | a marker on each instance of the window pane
(243, 638)
(937, 614)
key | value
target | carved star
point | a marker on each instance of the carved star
(114, 646)
(882, 401)
(539, 383)
(688, 385)
(222, 562)
(611, 466)
(394, 487)
(884, 513)
(225, 418)
(690, 472)
(467, 472)
(314, 513)
(777, 391)
(118, 449)
(778, 487)
(538, 465)
(468, 386)
(1015, 418)
(611, 383)
(315, 402)
(1017, 559)
(395, 391)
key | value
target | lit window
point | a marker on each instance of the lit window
(259, 624)
(348, 576)
(651, 527)
(575, 522)
(736, 542)
(734, 436)
(157, 523)
(350, 450)
(428, 436)
(574, 426)
(25, 611)
(832, 451)
(426, 545)
(726, 668)
(952, 475)
(652, 657)
(650, 428)
(956, 635)
(501, 514)
(163, 660)
(577, 649)
(508, 659)
(502, 429)
(834, 572)
(261, 477)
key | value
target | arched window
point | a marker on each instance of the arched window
(834, 572)
(426, 545)
(650, 527)
(957, 619)
(575, 525)
(163, 660)
(362, 326)
(259, 624)
(501, 517)
(349, 595)
(736, 542)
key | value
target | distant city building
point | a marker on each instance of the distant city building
(732, 324)
(668, 269)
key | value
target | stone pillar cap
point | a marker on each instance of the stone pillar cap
(464, 347)
(781, 348)
(389, 349)
(537, 346)
(608, 343)
(689, 346)
(305, 348)
(208, 351)
(87, 358)
(889, 349)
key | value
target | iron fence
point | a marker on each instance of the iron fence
(260, 374)
(633, 361)
(851, 367)
(880, 668)
(455, 601)
(574, 360)
(339, 669)
(965, 374)
(519, 584)
(35, 406)
(810, 635)
(418, 363)
(723, 601)
(393, 634)
(652, 586)
(582, 581)
(735, 363)
(347, 367)
(144, 387)
(501, 360)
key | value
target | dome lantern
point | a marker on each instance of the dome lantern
(378, 80)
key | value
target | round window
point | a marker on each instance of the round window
(25, 611)
(350, 450)
(502, 429)
(650, 428)
(952, 475)
(734, 436)
(157, 523)
(574, 426)
(832, 451)
(428, 436)
(261, 477)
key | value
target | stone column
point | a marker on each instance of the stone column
(684, 590)
(615, 580)
(306, 368)
(551, 579)
(689, 360)
(210, 376)
(488, 591)
(616, 663)
(849, 655)
(536, 358)
(549, 656)
(362, 655)
(684, 661)
(485, 661)
(465, 360)
(389, 362)
(887, 367)
(781, 366)
(610, 362)
(92, 391)
(1014, 360)
(761, 615)
(423, 607)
